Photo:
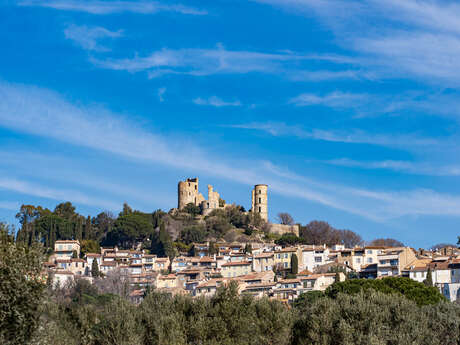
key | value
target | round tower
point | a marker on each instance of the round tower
(187, 192)
(260, 200)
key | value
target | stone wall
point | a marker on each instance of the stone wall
(282, 229)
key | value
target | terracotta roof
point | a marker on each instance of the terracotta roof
(108, 263)
(289, 281)
(162, 259)
(168, 277)
(93, 255)
(237, 263)
(63, 261)
(137, 293)
(78, 260)
(316, 276)
(67, 241)
(264, 255)
(304, 273)
(290, 249)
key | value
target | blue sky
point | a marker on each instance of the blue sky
(349, 110)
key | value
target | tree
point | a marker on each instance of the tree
(248, 248)
(192, 209)
(65, 210)
(285, 218)
(320, 232)
(89, 246)
(127, 210)
(95, 269)
(288, 239)
(350, 238)
(294, 264)
(212, 248)
(21, 289)
(386, 242)
(429, 279)
(88, 229)
(411, 289)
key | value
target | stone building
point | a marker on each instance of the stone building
(188, 192)
(260, 200)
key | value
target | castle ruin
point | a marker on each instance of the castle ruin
(188, 192)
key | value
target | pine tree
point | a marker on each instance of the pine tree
(53, 235)
(79, 234)
(294, 264)
(95, 269)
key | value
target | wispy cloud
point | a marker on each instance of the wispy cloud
(352, 136)
(109, 7)
(219, 60)
(424, 45)
(161, 92)
(88, 38)
(216, 102)
(35, 189)
(418, 168)
(201, 61)
(43, 113)
(335, 99)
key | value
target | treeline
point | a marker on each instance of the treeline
(168, 234)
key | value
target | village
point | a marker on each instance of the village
(259, 269)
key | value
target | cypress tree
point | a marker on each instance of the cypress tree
(294, 264)
(95, 269)
(429, 279)
(88, 229)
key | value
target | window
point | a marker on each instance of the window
(285, 255)
(285, 265)
(260, 192)
(369, 251)
(318, 259)
(369, 260)
(279, 256)
(260, 209)
(60, 247)
(358, 260)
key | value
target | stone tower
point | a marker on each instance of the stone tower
(187, 192)
(260, 200)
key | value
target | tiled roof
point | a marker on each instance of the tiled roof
(237, 263)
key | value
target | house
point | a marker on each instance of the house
(65, 249)
(392, 261)
(320, 282)
(209, 288)
(282, 258)
(235, 269)
(61, 278)
(451, 291)
(259, 290)
(161, 264)
(313, 256)
(287, 290)
(167, 281)
(263, 262)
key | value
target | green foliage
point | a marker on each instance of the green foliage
(89, 246)
(193, 233)
(95, 269)
(375, 318)
(191, 209)
(128, 229)
(429, 279)
(248, 248)
(289, 239)
(412, 290)
(307, 298)
(21, 289)
(294, 264)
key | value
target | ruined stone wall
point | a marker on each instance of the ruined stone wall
(282, 229)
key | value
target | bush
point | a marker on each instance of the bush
(414, 291)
